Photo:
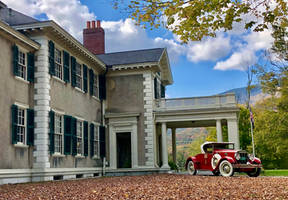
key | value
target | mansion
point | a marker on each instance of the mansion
(71, 110)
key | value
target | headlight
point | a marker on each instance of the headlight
(251, 157)
(237, 156)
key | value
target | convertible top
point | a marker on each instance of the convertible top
(206, 144)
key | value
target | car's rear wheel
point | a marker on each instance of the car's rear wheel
(191, 168)
(256, 172)
(226, 168)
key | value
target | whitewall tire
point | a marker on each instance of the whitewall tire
(226, 168)
(191, 168)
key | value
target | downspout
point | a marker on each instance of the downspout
(103, 118)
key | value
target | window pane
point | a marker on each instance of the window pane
(58, 64)
(21, 126)
(58, 135)
(78, 75)
(79, 137)
(22, 64)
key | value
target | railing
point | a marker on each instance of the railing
(217, 101)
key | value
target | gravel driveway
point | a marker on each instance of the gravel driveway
(162, 186)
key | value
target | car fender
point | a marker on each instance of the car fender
(256, 160)
(190, 158)
(228, 158)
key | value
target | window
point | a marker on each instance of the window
(78, 75)
(79, 137)
(21, 126)
(58, 134)
(22, 65)
(58, 64)
(96, 86)
(96, 141)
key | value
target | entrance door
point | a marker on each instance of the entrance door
(123, 150)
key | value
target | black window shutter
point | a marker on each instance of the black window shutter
(74, 135)
(67, 134)
(102, 87)
(92, 132)
(66, 68)
(102, 142)
(15, 60)
(162, 91)
(155, 88)
(52, 131)
(91, 81)
(14, 117)
(51, 57)
(86, 138)
(30, 67)
(73, 71)
(85, 78)
(30, 127)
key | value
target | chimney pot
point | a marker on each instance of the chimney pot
(88, 24)
(98, 24)
(93, 24)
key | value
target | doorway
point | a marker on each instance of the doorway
(124, 150)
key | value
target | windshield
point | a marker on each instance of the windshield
(224, 146)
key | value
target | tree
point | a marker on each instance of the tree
(271, 133)
(195, 19)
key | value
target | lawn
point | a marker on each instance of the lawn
(162, 186)
(275, 172)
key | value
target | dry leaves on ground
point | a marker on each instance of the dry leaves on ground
(163, 186)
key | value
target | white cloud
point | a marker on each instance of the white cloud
(70, 14)
(238, 61)
(244, 53)
(210, 49)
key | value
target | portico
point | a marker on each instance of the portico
(208, 111)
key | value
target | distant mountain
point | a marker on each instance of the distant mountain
(241, 94)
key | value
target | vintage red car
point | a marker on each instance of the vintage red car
(222, 158)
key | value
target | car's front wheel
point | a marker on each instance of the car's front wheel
(256, 172)
(191, 168)
(226, 168)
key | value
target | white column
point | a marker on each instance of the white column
(219, 130)
(174, 145)
(233, 133)
(41, 108)
(112, 148)
(164, 146)
(134, 146)
(148, 119)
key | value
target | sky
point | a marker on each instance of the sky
(204, 68)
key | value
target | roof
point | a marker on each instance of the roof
(13, 17)
(207, 143)
(132, 57)
(8, 32)
(58, 32)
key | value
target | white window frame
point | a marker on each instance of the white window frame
(96, 85)
(96, 133)
(58, 64)
(80, 137)
(79, 68)
(61, 134)
(21, 65)
(22, 107)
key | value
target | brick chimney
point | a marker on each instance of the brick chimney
(94, 37)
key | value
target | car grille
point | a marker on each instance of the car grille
(243, 158)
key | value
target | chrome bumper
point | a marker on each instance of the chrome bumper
(247, 166)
